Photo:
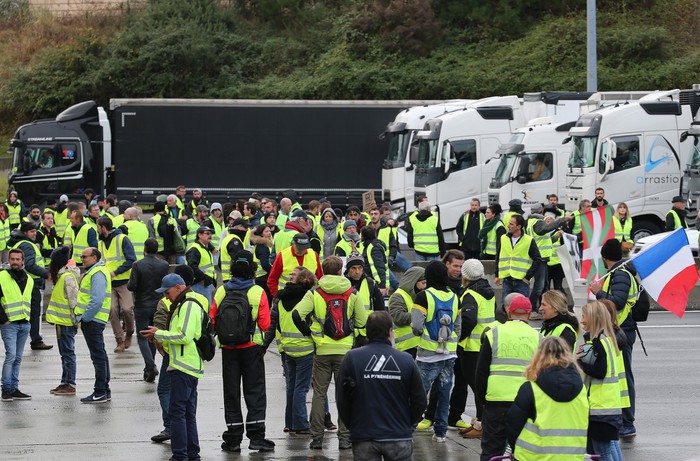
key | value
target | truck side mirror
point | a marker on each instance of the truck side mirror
(413, 153)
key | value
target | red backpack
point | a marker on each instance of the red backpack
(337, 325)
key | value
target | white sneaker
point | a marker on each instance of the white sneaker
(439, 439)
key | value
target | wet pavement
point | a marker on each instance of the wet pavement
(61, 428)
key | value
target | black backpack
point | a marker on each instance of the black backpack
(234, 319)
(640, 310)
(206, 343)
(337, 325)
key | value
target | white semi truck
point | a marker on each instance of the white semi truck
(639, 152)
(399, 165)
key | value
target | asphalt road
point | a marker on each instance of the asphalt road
(61, 428)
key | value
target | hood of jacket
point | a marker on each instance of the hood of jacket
(422, 215)
(291, 294)
(258, 239)
(482, 287)
(561, 384)
(75, 270)
(334, 284)
(291, 225)
(410, 278)
(17, 236)
(111, 236)
(238, 283)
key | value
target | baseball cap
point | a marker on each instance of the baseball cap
(204, 229)
(520, 305)
(170, 281)
(301, 241)
(240, 222)
(63, 198)
(300, 214)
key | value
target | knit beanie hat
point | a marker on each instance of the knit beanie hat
(472, 269)
(159, 206)
(60, 256)
(355, 259)
(611, 250)
(186, 272)
(348, 223)
(436, 274)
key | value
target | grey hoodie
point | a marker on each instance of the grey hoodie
(397, 306)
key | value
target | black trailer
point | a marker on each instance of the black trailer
(227, 148)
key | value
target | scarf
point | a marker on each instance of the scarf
(489, 224)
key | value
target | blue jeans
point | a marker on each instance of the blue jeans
(14, 335)
(184, 440)
(94, 337)
(143, 317)
(608, 450)
(441, 374)
(164, 392)
(540, 282)
(370, 450)
(628, 413)
(202, 290)
(420, 257)
(402, 263)
(511, 285)
(298, 380)
(65, 334)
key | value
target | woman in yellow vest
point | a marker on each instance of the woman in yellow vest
(548, 420)
(328, 232)
(623, 226)
(597, 359)
(298, 350)
(61, 312)
(490, 233)
(556, 318)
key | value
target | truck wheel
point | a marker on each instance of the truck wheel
(645, 228)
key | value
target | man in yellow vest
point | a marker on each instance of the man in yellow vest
(119, 256)
(515, 207)
(299, 254)
(60, 218)
(675, 218)
(400, 306)
(435, 318)
(468, 227)
(15, 297)
(620, 287)
(24, 239)
(235, 240)
(332, 332)
(478, 311)
(505, 351)
(372, 298)
(79, 235)
(186, 366)
(424, 234)
(92, 311)
(200, 258)
(165, 230)
(135, 230)
(517, 258)
(47, 240)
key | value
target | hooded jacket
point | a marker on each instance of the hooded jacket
(290, 296)
(262, 251)
(398, 309)
(559, 383)
(470, 308)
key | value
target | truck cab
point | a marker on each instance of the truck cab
(532, 164)
(399, 164)
(636, 152)
(65, 154)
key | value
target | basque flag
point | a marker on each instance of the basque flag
(667, 270)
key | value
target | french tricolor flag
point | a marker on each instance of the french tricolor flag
(667, 270)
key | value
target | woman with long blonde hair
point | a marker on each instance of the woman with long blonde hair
(597, 359)
(552, 400)
(556, 318)
(622, 221)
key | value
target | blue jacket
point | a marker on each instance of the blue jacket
(384, 403)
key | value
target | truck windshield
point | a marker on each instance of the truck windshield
(504, 170)
(695, 157)
(583, 152)
(398, 147)
(427, 153)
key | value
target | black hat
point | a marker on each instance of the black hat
(267, 215)
(436, 274)
(240, 222)
(204, 229)
(60, 256)
(186, 272)
(677, 198)
(301, 241)
(515, 203)
(611, 250)
(27, 226)
(244, 257)
(159, 206)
